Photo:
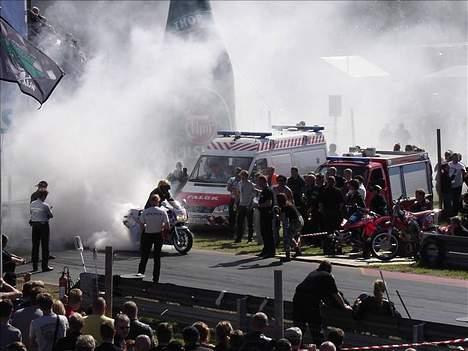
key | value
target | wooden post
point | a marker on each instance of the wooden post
(279, 304)
(242, 313)
(109, 279)
(418, 332)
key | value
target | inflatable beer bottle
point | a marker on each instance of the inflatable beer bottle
(206, 104)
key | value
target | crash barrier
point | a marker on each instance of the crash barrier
(413, 345)
(186, 305)
(441, 249)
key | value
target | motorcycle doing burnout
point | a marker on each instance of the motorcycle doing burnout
(179, 234)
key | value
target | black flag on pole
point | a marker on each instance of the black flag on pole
(35, 73)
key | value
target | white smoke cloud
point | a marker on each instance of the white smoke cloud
(101, 143)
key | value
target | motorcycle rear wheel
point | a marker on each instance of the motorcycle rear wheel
(384, 245)
(185, 241)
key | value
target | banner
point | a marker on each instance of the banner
(21, 62)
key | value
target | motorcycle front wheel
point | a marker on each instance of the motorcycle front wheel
(182, 240)
(384, 245)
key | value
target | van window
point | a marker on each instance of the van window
(282, 164)
(415, 178)
(217, 169)
(395, 182)
(259, 166)
(308, 160)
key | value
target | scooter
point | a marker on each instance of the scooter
(179, 234)
(400, 232)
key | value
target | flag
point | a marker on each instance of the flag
(36, 74)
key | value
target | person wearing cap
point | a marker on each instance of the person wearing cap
(378, 204)
(154, 222)
(40, 216)
(42, 185)
(163, 191)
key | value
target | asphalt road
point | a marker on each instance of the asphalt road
(427, 298)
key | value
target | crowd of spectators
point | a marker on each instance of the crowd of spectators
(32, 320)
(318, 202)
(314, 202)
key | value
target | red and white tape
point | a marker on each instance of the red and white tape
(398, 346)
(314, 235)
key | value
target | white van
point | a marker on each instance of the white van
(205, 193)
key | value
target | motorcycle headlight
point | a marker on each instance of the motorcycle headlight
(181, 217)
(222, 209)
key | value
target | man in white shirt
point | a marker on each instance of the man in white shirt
(46, 330)
(457, 175)
(246, 191)
(40, 216)
(154, 222)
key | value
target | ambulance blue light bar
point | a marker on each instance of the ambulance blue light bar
(232, 133)
(299, 127)
(349, 158)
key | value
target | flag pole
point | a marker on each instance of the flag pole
(1, 174)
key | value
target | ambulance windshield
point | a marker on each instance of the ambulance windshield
(218, 169)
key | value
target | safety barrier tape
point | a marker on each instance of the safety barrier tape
(398, 346)
(314, 235)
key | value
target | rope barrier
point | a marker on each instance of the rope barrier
(398, 346)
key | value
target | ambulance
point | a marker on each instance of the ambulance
(206, 195)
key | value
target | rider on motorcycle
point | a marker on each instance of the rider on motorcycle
(353, 202)
(163, 190)
(421, 203)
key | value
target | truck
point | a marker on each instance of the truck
(398, 173)
(205, 193)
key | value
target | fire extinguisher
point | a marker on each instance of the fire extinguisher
(64, 283)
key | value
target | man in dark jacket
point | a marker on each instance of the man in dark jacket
(256, 340)
(136, 327)
(68, 342)
(331, 204)
(297, 185)
(317, 288)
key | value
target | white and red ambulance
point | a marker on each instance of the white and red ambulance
(205, 193)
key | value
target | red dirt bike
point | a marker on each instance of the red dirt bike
(400, 233)
(356, 231)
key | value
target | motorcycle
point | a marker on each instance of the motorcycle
(354, 231)
(179, 234)
(399, 234)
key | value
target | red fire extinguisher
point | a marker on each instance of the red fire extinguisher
(64, 283)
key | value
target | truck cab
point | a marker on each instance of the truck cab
(398, 173)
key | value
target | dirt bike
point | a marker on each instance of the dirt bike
(179, 234)
(355, 231)
(399, 234)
